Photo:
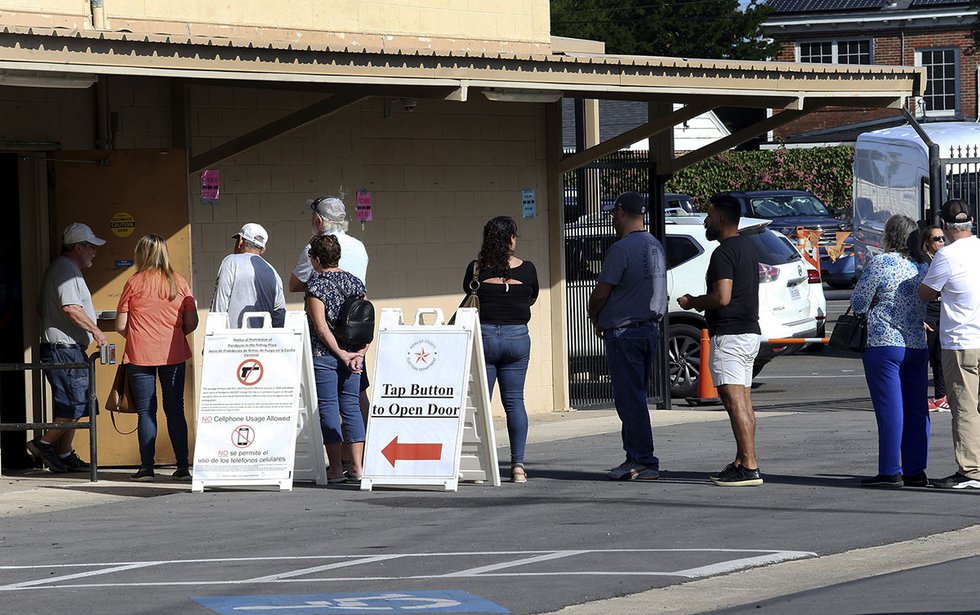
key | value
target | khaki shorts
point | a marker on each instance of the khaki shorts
(732, 358)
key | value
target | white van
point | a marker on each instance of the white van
(892, 176)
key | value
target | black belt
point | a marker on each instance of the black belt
(645, 323)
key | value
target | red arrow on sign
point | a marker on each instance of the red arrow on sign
(411, 452)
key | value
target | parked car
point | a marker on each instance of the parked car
(791, 300)
(789, 209)
(674, 204)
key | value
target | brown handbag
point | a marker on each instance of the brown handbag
(118, 400)
(471, 300)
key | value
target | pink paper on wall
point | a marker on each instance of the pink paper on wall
(210, 186)
(364, 212)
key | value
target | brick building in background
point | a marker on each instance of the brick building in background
(931, 33)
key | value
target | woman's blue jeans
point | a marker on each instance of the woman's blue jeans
(507, 349)
(898, 381)
(143, 391)
(337, 393)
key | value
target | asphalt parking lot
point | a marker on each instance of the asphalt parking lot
(569, 541)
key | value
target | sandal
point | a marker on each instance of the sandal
(336, 480)
(517, 474)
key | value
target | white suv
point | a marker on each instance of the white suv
(791, 300)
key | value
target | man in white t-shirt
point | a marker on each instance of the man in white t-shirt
(330, 218)
(952, 276)
(247, 283)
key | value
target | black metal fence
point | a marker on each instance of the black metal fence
(962, 175)
(588, 233)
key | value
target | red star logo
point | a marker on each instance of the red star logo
(421, 356)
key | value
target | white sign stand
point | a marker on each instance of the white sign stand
(257, 406)
(430, 422)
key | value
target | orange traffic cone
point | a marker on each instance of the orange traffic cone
(707, 393)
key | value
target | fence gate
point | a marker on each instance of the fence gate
(588, 233)
(961, 172)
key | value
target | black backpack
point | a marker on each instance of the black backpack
(354, 328)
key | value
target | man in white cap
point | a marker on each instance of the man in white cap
(67, 329)
(246, 282)
(330, 218)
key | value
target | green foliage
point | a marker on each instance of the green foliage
(677, 28)
(824, 171)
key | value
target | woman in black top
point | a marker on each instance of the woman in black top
(933, 239)
(508, 288)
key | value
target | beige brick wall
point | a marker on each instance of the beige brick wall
(436, 175)
(366, 22)
(63, 117)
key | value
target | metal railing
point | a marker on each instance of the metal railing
(108, 357)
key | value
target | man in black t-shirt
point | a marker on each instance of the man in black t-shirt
(731, 308)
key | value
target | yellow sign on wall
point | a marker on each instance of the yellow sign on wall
(122, 224)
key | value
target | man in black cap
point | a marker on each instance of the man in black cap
(626, 307)
(952, 274)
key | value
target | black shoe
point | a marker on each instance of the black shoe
(737, 476)
(884, 481)
(956, 481)
(47, 454)
(915, 480)
(144, 475)
(183, 475)
(75, 464)
(726, 470)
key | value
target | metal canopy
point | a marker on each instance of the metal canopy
(700, 84)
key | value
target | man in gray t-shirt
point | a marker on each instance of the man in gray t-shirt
(626, 307)
(247, 283)
(68, 326)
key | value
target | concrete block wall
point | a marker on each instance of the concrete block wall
(63, 117)
(436, 175)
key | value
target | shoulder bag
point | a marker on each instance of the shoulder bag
(471, 300)
(850, 332)
(119, 400)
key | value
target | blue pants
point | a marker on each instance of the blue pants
(630, 352)
(899, 384)
(143, 388)
(507, 349)
(337, 394)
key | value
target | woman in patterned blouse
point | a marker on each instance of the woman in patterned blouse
(896, 359)
(337, 370)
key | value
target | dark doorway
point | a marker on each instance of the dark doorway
(12, 402)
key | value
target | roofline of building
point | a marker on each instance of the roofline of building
(868, 20)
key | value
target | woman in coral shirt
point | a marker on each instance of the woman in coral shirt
(155, 313)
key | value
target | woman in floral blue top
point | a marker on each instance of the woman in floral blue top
(896, 358)
(337, 370)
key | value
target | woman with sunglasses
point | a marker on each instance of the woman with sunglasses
(932, 240)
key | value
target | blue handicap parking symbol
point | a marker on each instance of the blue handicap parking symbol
(431, 601)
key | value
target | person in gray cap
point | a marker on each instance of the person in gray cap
(626, 307)
(246, 282)
(952, 274)
(330, 218)
(67, 328)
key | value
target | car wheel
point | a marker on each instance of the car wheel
(684, 355)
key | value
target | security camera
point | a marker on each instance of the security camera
(408, 104)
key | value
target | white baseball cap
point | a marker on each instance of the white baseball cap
(255, 233)
(80, 233)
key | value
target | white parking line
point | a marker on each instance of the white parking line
(527, 558)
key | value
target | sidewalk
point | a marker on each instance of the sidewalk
(28, 492)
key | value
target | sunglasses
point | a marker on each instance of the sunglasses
(937, 239)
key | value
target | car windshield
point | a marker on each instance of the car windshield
(787, 206)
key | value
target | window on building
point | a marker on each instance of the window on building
(942, 81)
(836, 52)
